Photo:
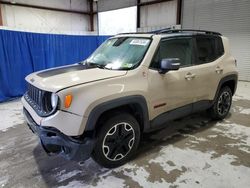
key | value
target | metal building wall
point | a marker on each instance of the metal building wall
(152, 16)
(106, 5)
(48, 21)
(158, 16)
(231, 18)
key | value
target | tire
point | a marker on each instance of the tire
(222, 104)
(117, 141)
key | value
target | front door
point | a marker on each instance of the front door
(175, 89)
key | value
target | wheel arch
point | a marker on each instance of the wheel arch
(230, 81)
(135, 105)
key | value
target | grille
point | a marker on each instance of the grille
(39, 100)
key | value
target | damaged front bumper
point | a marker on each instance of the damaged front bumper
(55, 142)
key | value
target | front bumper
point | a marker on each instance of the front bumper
(55, 142)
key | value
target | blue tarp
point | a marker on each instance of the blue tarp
(22, 53)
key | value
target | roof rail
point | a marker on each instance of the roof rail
(160, 30)
(133, 33)
(186, 30)
(170, 30)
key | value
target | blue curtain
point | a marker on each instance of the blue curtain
(22, 53)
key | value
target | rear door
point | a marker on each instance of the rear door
(208, 67)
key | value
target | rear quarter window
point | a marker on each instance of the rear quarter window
(208, 48)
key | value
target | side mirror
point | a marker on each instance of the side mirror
(169, 64)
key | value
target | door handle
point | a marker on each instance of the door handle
(190, 76)
(218, 70)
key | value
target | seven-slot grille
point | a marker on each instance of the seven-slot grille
(39, 100)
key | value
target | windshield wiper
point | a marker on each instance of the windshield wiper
(100, 66)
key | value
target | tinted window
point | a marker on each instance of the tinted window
(209, 48)
(174, 48)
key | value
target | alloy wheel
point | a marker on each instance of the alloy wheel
(224, 103)
(118, 141)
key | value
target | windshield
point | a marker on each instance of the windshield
(121, 53)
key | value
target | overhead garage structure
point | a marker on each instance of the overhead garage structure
(231, 18)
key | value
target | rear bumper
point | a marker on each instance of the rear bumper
(55, 142)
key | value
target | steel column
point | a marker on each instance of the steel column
(1, 18)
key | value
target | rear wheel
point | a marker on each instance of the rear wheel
(117, 141)
(222, 105)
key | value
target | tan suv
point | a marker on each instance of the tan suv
(132, 84)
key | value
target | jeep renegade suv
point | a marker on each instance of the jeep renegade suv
(132, 84)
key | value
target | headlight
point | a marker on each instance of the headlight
(54, 100)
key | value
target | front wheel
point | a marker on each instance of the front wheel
(117, 141)
(222, 104)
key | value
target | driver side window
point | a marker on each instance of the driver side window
(174, 48)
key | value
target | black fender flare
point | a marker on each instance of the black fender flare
(109, 105)
(232, 77)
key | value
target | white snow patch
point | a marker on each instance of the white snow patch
(241, 147)
(200, 167)
(198, 139)
(241, 110)
(3, 181)
(10, 114)
(243, 91)
(246, 111)
(212, 136)
(203, 168)
(62, 176)
(110, 182)
(234, 131)
(73, 184)
(237, 132)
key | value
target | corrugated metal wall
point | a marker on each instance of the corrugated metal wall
(153, 17)
(231, 18)
(158, 16)
(48, 21)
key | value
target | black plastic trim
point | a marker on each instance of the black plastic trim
(158, 121)
(51, 137)
(109, 105)
(232, 77)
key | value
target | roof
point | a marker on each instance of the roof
(170, 32)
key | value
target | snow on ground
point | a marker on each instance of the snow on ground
(236, 132)
(210, 154)
(242, 91)
(11, 114)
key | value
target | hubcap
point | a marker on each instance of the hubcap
(118, 141)
(224, 103)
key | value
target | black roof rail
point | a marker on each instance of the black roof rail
(132, 33)
(168, 31)
(160, 30)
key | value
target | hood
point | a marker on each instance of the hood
(59, 78)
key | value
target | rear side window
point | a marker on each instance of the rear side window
(174, 48)
(209, 48)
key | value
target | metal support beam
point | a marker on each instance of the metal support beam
(44, 8)
(1, 18)
(91, 15)
(179, 12)
(152, 2)
(138, 14)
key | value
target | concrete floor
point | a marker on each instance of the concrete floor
(191, 152)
